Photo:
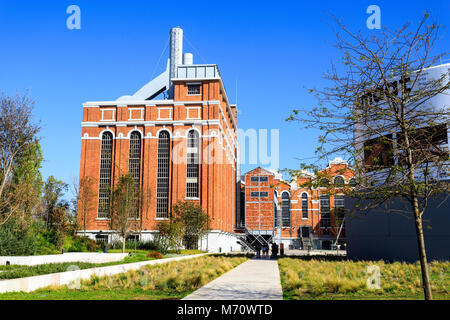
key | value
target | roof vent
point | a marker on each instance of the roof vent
(188, 59)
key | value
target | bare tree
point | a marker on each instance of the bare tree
(124, 208)
(379, 112)
(85, 198)
(17, 133)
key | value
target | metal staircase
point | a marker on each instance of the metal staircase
(251, 240)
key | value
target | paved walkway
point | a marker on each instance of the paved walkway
(253, 280)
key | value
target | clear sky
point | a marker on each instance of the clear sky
(273, 50)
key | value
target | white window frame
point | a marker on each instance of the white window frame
(188, 109)
(113, 114)
(141, 118)
(194, 84)
(165, 108)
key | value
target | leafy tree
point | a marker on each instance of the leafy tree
(56, 214)
(52, 199)
(19, 158)
(378, 113)
(194, 220)
(170, 236)
(27, 183)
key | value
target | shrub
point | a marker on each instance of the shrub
(148, 245)
(80, 244)
(15, 241)
(154, 254)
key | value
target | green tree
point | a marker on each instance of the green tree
(19, 158)
(194, 220)
(170, 236)
(27, 183)
(56, 214)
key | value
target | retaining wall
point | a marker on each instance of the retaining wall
(92, 257)
(68, 278)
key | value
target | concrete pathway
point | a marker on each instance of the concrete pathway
(256, 279)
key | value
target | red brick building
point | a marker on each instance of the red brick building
(180, 147)
(298, 214)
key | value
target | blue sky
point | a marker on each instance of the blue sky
(272, 49)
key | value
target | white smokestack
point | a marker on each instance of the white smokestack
(176, 50)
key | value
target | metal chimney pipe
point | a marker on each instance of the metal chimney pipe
(176, 50)
(188, 59)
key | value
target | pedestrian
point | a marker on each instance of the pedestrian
(274, 250)
(258, 251)
(265, 249)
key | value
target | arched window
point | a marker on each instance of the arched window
(162, 187)
(339, 182)
(134, 162)
(305, 206)
(352, 182)
(324, 183)
(192, 166)
(285, 212)
(105, 175)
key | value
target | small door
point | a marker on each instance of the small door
(305, 232)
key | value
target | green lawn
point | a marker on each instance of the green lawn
(64, 294)
(172, 280)
(323, 279)
(14, 272)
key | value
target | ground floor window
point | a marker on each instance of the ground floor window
(103, 238)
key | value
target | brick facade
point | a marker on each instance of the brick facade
(209, 113)
(311, 217)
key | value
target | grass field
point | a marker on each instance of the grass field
(14, 272)
(322, 279)
(172, 280)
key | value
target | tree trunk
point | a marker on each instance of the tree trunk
(422, 253)
(123, 244)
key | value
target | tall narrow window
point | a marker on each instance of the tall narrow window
(304, 206)
(325, 221)
(134, 162)
(105, 175)
(192, 166)
(339, 209)
(162, 188)
(285, 208)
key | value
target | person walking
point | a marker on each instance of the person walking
(258, 251)
(265, 250)
(274, 250)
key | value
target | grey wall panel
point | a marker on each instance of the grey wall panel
(381, 234)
